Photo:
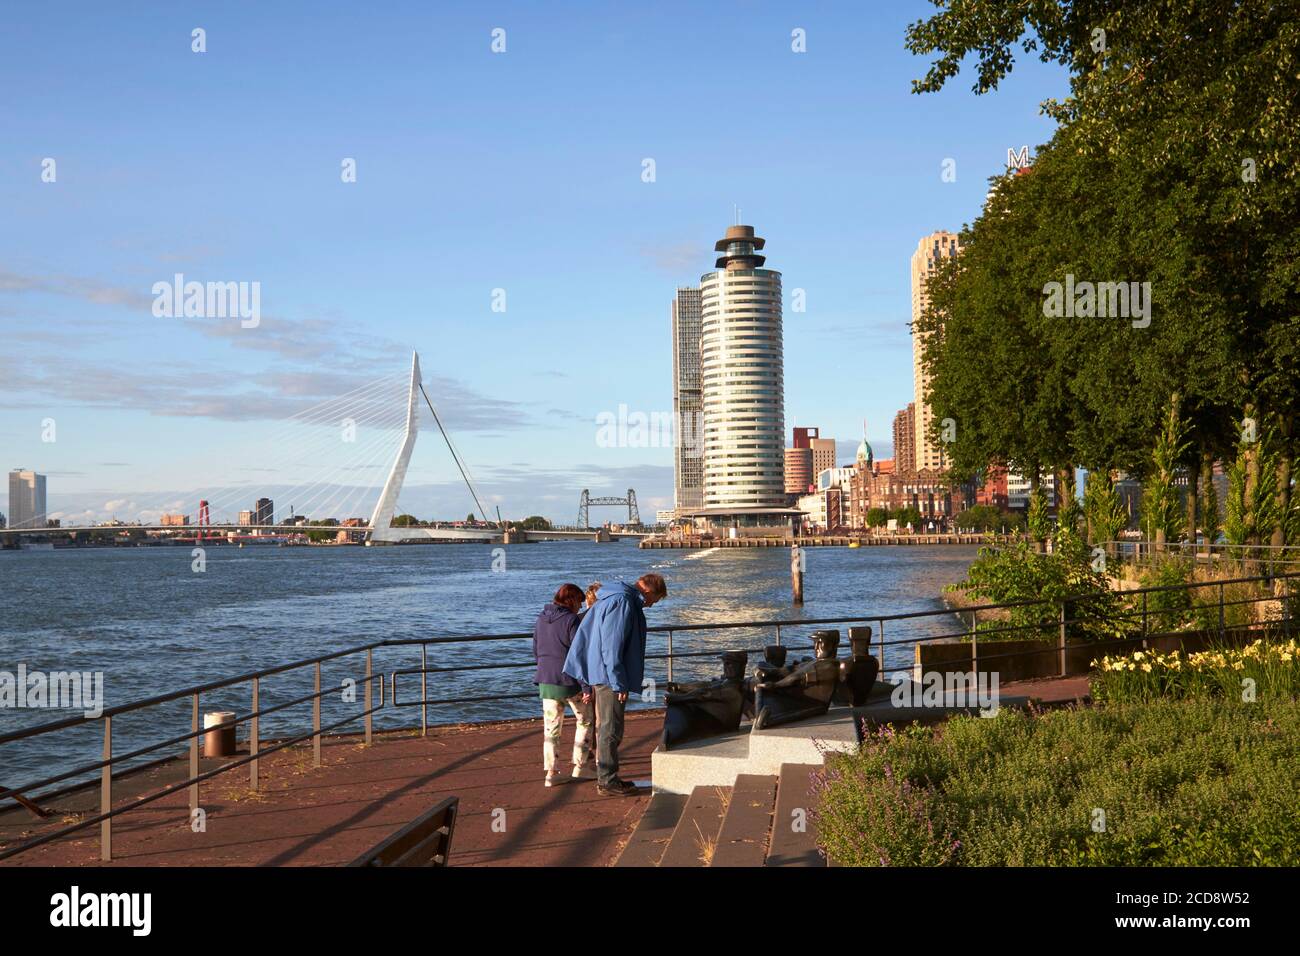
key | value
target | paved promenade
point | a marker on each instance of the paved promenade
(325, 817)
(303, 816)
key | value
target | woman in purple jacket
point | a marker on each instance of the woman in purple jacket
(551, 639)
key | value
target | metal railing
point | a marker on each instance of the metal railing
(1064, 613)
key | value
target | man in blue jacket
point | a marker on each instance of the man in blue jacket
(608, 653)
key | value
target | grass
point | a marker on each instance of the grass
(1194, 782)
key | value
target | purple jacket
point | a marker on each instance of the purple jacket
(551, 639)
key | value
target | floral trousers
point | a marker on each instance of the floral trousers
(553, 725)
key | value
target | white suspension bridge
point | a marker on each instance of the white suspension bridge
(367, 407)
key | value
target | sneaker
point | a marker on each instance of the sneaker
(550, 778)
(619, 788)
(583, 773)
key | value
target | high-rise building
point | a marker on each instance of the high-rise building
(174, 521)
(823, 454)
(245, 518)
(930, 251)
(26, 499)
(688, 415)
(264, 511)
(798, 470)
(742, 377)
(905, 439)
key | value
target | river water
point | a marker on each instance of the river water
(146, 620)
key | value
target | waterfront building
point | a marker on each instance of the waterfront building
(930, 252)
(993, 491)
(798, 470)
(823, 454)
(174, 521)
(905, 438)
(688, 414)
(26, 499)
(1018, 489)
(742, 374)
(264, 511)
(742, 388)
(245, 518)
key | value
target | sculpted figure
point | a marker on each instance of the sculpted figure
(805, 691)
(858, 673)
(706, 708)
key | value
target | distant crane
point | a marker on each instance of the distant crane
(584, 519)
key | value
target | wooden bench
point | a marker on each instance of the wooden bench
(425, 841)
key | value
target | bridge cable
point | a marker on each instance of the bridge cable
(454, 456)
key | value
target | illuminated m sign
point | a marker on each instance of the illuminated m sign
(1017, 160)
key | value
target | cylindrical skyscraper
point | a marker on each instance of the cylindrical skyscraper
(742, 377)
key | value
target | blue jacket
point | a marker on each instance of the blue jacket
(609, 647)
(551, 639)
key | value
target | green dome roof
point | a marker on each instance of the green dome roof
(864, 452)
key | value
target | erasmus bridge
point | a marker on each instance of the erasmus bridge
(379, 530)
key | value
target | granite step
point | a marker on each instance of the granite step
(794, 839)
(696, 834)
(747, 826)
(653, 831)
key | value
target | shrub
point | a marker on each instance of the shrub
(1019, 573)
(1200, 782)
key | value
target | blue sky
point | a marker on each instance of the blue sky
(476, 170)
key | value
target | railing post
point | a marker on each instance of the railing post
(778, 635)
(1221, 609)
(315, 721)
(106, 794)
(974, 650)
(424, 690)
(1144, 620)
(1061, 640)
(882, 646)
(253, 738)
(194, 755)
(670, 655)
(370, 663)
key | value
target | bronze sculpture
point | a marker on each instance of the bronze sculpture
(705, 708)
(858, 673)
(805, 691)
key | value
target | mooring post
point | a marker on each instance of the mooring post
(796, 573)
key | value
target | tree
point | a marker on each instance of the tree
(535, 523)
(405, 521)
(877, 517)
(1103, 509)
(1178, 169)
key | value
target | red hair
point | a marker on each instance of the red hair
(568, 594)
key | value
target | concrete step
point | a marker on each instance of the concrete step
(793, 841)
(747, 826)
(653, 831)
(717, 761)
(696, 834)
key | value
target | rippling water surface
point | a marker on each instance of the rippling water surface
(150, 624)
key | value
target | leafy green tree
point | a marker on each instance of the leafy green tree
(1162, 515)
(406, 521)
(877, 517)
(1103, 508)
(535, 523)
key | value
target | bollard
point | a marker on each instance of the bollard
(219, 739)
(796, 573)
